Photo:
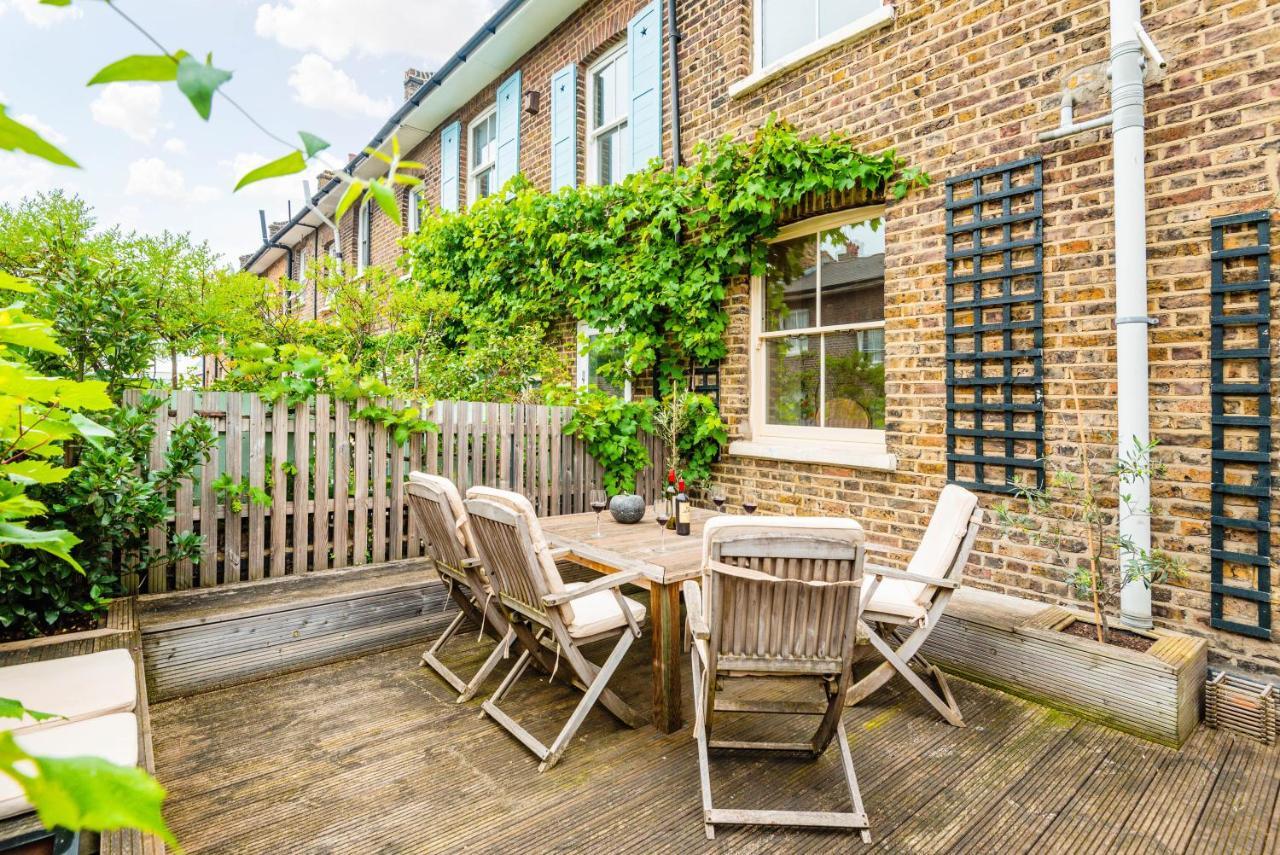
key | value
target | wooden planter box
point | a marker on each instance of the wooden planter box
(1016, 646)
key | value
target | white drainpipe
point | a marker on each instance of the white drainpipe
(1128, 43)
(1129, 175)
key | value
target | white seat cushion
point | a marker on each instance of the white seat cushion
(449, 490)
(600, 612)
(895, 598)
(941, 541)
(112, 737)
(74, 687)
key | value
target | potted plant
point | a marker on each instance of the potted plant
(692, 434)
(612, 429)
(1096, 669)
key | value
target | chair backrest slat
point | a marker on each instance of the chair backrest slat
(504, 542)
(781, 623)
(437, 525)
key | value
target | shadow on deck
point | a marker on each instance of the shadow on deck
(373, 755)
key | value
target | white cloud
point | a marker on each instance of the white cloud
(173, 145)
(22, 175)
(42, 129)
(423, 29)
(152, 177)
(40, 15)
(130, 107)
(318, 83)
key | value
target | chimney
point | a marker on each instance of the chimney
(414, 80)
(324, 178)
(274, 228)
(244, 260)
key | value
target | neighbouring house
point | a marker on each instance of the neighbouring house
(1012, 253)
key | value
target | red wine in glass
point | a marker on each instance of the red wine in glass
(599, 501)
(749, 504)
(662, 513)
(718, 500)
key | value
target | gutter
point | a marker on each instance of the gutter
(673, 40)
(452, 64)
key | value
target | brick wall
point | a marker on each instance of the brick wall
(956, 86)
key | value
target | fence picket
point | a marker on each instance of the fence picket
(320, 487)
(315, 447)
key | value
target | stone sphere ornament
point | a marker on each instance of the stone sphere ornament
(627, 508)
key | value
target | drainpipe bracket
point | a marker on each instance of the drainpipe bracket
(1137, 319)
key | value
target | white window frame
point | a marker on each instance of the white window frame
(870, 439)
(414, 204)
(616, 53)
(474, 171)
(585, 332)
(761, 73)
(364, 238)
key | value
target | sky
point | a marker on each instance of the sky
(334, 68)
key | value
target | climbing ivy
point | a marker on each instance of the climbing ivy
(649, 259)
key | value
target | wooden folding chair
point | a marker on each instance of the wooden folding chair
(779, 599)
(916, 598)
(442, 523)
(541, 609)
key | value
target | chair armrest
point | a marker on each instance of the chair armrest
(472, 562)
(890, 573)
(604, 583)
(877, 548)
(560, 553)
(693, 607)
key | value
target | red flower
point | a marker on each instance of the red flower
(671, 477)
(680, 486)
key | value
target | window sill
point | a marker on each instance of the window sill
(853, 455)
(855, 29)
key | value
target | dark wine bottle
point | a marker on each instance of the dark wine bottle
(684, 513)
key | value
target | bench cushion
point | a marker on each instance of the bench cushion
(74, 687)
(111, 737)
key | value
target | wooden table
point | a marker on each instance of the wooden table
(626, 547)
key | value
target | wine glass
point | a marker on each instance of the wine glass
(599, 501)
(749, 503)
(662, 512)
(718, 499)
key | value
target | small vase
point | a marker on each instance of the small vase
(627, 508)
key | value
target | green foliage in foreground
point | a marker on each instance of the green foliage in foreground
(82, 793)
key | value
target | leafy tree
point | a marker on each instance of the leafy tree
(177, 275)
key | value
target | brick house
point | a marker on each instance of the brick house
(570, 91)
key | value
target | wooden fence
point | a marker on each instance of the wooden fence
(336, 482)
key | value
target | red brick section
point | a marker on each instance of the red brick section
(955, 86)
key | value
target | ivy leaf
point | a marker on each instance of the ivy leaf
(159, 68)
(198, 81)
(353, 194)
(87, 792)
(287, 165)
(15, 136)
(312, 144)
(386, 199)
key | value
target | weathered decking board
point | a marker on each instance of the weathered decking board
(203, 640)
(373, 754)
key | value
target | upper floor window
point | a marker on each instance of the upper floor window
(415, 209)
(482, 158)
(608, 99)
(785, 27)
(364, 240)
(818, 327)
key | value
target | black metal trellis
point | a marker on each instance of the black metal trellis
(705, 380)
(1240, 397)
(995, 327)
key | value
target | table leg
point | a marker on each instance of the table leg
(664, 620)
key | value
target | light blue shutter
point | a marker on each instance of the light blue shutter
(449, 166)
(508, 129)
(644, 66)
(564, 128)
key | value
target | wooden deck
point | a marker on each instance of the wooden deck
(373, 755)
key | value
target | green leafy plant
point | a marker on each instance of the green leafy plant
(611, 428)
(648, 259)
(1076, 500)
(692, 432)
